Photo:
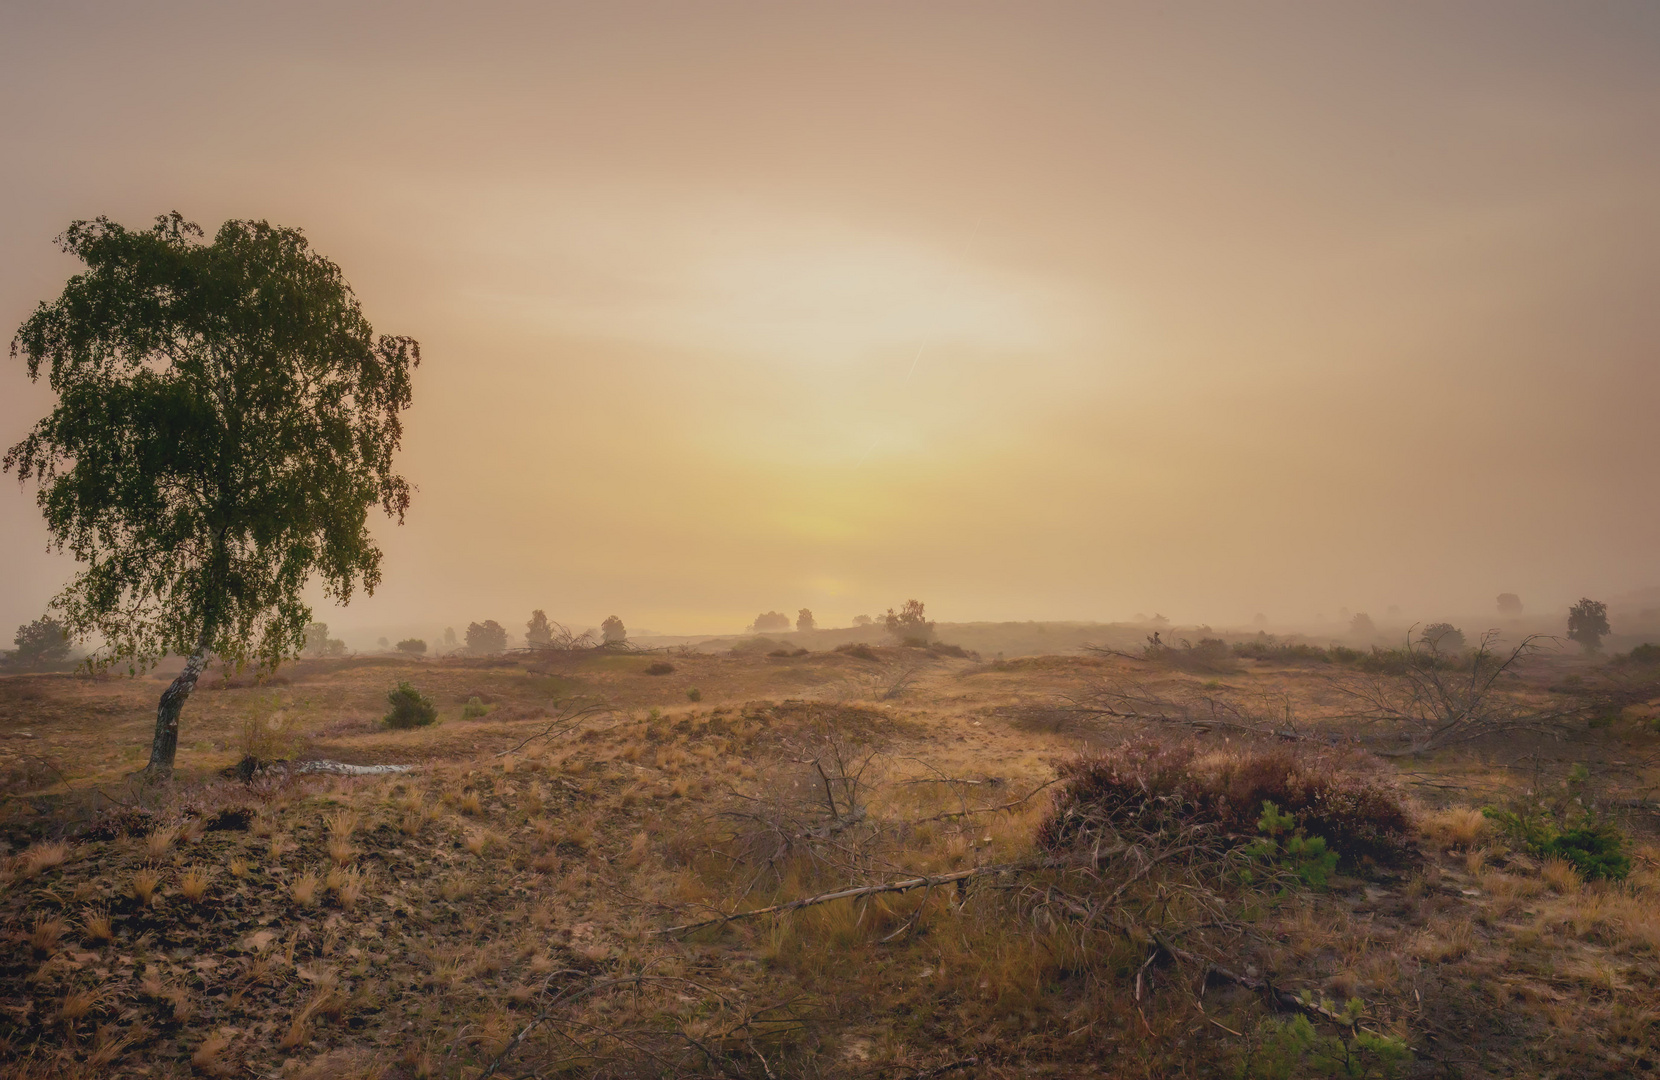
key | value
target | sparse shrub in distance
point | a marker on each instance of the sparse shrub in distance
(44, 641)
(474, 709)
(804, 620)
(910, 624)
(770, 622)
(862, 620)
(779, 652)
(1265, 648)
(1510, 604)
(612, 631)
(1443, 638)
(857, 649)
(694, 694)
(1209, 654)
(412, 647)
(410, 708)
(268, 733)
(318, 644)
(538, 631)
(660, 667)
(1644, 655)
(488, 638)
(1361, 626)
(1588, 623)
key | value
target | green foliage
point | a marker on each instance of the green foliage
(1283, 844)
(1294, 1047)
(487, 638)
(1443, 638)
(474, 709)
(694, 694)
(1644, 655)
(318, 644)
(410, 708)
(1588, 623)
(910, 624)
(44, 641)
(1560, 824)
(225, 419)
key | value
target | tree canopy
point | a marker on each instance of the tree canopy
(909, 624)
(1588, 623)
(804, 620)
(225, 418)
(487, 638)
(44, 641)
(538, 631)
(612, 631)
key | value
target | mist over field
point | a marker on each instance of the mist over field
(829, 541)
(1066, 313)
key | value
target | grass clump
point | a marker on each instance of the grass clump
(410, 708)
(474, 709)
(858, 650)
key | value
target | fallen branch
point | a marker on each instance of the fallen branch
(566, 720)
(1010, 805)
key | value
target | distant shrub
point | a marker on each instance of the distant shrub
(474, 709)
(804, 620)
(857, 649)
(941, 649)
(779, 652)
(1588, 624)
(1442, 637)
(1154, 787)
(770, 622)
(410, 708)
(1644, 655)
(910, 624)
(659, 667)
(487, 638)
(1559, 824)
(319, 645)
(612, 631)
(1209, 654)
(694, 694)
(1267, 650)
(412, 646)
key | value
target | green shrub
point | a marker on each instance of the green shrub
(694, 694)
(410, 708)
(1560, 825)
(1284, 845)
(474, 709)
(1293, 1047)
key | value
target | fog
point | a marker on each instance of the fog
(1048, 312)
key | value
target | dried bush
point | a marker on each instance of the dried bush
(660, 667)
(1150, 787)
(857, 649)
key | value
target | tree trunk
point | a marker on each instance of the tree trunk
(165, 745)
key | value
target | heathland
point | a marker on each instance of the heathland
(1211, 861)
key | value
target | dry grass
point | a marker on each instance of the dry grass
(40, 857)
(494, 885)
(160, 842)
(45, 935)
(193, 885)
(146, 881)
(96, 927)
(304, 889)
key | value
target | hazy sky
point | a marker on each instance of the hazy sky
(1027, 310)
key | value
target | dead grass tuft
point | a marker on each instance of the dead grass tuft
(96, 927)
(304, 889)
(144, 885)
(1455, 827)
(42, 857)
(208, 1057)
(47, 932)
(193, 885)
